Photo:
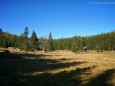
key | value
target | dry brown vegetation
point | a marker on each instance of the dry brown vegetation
(97, 62)
(82, 69)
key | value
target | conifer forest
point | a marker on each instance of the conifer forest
(99, 42)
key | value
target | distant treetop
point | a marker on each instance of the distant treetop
(1, 30)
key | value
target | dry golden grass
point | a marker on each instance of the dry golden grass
(87, 68)
(99, 63)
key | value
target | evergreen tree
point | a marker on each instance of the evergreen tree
(34, 41)
(100, 42)
(1, 30)
(5, 42)
(75, 44)
(21, 41)
(1, 38)
(50, 42)
(26, 41)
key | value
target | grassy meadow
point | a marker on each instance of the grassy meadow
(58, 68)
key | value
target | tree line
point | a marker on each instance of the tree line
(23, 42)
(100, 42)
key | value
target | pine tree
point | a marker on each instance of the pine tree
(50, 42)
(21, 41)
(1, 38)
(34, 41)
(1, 30)
(75, 44)
(26, 41)
(5, 42)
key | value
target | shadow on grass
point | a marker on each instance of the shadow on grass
(12, 73)
(8, 55)
(14, 66)
(60, 79)
(105, 79)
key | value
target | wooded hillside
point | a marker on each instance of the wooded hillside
(99, 42)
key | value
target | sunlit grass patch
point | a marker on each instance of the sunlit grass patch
(58, 69)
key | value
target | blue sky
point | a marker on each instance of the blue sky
(63, 18)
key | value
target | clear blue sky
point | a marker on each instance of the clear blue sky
(63, 18)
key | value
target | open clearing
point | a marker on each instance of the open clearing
(58, 68)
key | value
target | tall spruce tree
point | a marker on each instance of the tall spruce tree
(26, 42)
(1, 38)
(1, 30)
(75, 44)
(34, 41)
(50, 42)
